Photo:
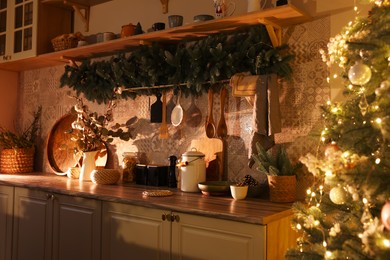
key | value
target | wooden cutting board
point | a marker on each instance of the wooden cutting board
(214, 156)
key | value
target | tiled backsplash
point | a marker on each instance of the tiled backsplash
(300, 98)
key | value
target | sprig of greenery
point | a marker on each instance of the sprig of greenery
(26, 139)
(197, 64)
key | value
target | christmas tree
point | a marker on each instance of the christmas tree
(347, 211)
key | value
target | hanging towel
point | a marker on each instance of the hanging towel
(266, 114)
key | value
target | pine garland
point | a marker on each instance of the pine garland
(198, 65)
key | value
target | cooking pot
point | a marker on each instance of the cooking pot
(192, 170)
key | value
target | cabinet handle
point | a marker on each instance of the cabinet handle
(50, 196)
(177, 218)
(163, 217)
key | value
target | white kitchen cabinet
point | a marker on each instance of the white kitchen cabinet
(52, 226)
(197, 237)
(6, 212)
(27, 27)
(134, 232)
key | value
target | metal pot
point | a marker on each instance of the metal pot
(192, 170)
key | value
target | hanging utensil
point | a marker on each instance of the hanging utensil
(164, 127)
(177, 112)
(222, 127)
(155, 110)
(193, 114)
(210, 127)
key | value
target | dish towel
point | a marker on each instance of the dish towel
(266, 114)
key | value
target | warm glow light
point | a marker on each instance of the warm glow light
(377, 160)
(378, 120)
(308, 191)
(328, 253)
(328, 173)
(335, 76)
(386, 242)
(316, 223)
(365, 201)
(313, 194)
(350, 86)
(324, 244)
(334, 110)
(299, 227)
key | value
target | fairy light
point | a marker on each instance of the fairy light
(299, 226)
(313, 194)
(328, 173)
(335, 76)
(308, 191)
(334, 110)
(324, 244)
(378, 121)
(350, 86)
(377, 160)
(316, 223)
(365, 201)
(386, 242)
(328, 254)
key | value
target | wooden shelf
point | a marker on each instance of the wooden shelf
(273, 18)
(65, 3)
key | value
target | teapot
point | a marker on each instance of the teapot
(192, 170)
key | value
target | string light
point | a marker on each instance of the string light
(386, 242)
(377, 160)
(299, 226)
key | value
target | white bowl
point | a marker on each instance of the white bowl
(239, 192)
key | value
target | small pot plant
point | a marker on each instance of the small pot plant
(17, 149)
(280, 172)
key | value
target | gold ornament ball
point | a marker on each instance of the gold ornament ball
(359, 74)
(331, 149)
(337, 195)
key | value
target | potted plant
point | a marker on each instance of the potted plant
(17, 150)
(281, 174)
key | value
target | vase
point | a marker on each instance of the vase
(89, 164)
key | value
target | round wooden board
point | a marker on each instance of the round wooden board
(60, 148)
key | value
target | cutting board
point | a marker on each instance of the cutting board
(214, 156)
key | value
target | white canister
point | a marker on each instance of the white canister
(192, 171)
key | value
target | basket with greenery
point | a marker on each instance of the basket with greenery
(17, 150)
(281, 173)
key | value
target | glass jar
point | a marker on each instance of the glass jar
(130, 159)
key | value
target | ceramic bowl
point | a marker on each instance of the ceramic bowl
(214, 188)
(239, 192)
(203, 17)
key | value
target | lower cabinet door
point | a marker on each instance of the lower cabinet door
(6, 212)
(76, 228)
(197, 237)
(133, 232)
(32, 229)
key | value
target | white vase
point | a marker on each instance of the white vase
(89, 164)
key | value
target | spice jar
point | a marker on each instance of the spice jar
(130, 159)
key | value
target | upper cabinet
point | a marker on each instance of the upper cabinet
(27, 26)
(274, 19)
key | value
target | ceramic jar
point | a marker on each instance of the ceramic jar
(192, 171)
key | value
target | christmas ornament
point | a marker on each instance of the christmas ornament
(359, 74)
(385, 215)
(363, 105)
(383, 87)
(337, 195)
(331, 149)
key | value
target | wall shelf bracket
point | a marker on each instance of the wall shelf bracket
(274, 32)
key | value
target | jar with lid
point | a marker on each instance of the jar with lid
(130, 160)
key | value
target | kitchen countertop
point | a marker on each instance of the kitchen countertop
(250, 210)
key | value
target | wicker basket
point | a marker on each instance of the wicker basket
(65, 41)
(105, 176)
(282, 188)
(18, 160)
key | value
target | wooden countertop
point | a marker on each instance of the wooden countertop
(250, 210)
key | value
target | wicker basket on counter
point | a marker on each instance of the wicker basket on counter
(17, 160)
(282, 188)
